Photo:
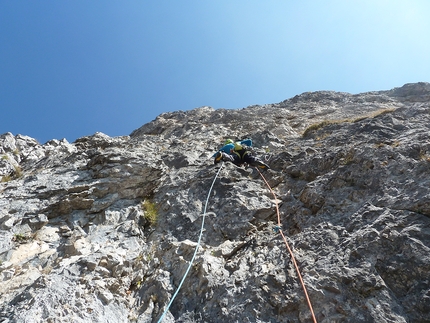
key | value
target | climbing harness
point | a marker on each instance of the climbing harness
(197, 247)
(278, 228)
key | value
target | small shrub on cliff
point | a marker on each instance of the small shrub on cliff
(150, 210)
(374, 114)
(21, 238)
(5, 179)
(18, 172)
(322, 124)
(319, 125)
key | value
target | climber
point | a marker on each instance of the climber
(238, 153)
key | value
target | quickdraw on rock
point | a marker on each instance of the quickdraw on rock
(276, 228)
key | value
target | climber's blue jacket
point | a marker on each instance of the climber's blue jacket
(235, 146)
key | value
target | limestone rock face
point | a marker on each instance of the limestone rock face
(103, 229)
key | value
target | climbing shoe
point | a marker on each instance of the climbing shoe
(218, 157)
(262, 165)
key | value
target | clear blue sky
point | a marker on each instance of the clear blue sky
(71, 68)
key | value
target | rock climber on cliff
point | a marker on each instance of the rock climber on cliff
(238, 153)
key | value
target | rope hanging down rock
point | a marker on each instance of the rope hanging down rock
(197, 247)
(278, 228)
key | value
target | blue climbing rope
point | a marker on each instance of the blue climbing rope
(197, 247)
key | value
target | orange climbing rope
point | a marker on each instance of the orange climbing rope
(288, 247)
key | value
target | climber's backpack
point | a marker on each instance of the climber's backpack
(238, 146)
(241, 149)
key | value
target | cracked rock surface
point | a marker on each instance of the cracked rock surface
(103, 229)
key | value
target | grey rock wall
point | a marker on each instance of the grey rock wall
(80, 240)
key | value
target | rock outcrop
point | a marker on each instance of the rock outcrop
(103, 229)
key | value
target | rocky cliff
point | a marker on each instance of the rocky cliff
(103, 229)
